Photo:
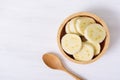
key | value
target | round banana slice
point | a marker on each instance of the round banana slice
(71, 43)
(85, 54)
(96, 47)
(82, 23)
(67, 28)
(95, 33)
(73, 25)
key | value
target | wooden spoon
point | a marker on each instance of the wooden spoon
(52, 61)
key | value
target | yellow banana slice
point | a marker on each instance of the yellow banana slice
(71, 43)
(67, 28)
(73, 25)
(95, 33)
(82, 23)
(96, 47)
(85, 54)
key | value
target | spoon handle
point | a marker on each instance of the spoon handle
(73, 75)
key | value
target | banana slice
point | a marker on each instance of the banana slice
(85, 54)
(96, 47)
(82, 23)
(71, 43)
(95, 33)
(73, 26)
(67, 28)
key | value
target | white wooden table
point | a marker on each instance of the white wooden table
(28, 29)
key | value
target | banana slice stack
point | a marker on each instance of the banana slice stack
(73, 44)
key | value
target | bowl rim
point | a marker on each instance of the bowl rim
(95, 17)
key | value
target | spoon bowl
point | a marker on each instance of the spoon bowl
(52, 61)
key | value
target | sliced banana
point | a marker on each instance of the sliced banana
(67, 28)
(82, 23)
(71, 43)
(73, 25)
(96, 47)
(95, 33)
(85, 54)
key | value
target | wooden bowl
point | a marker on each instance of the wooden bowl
(104, 45)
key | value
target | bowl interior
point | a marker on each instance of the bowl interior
(61, 33)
